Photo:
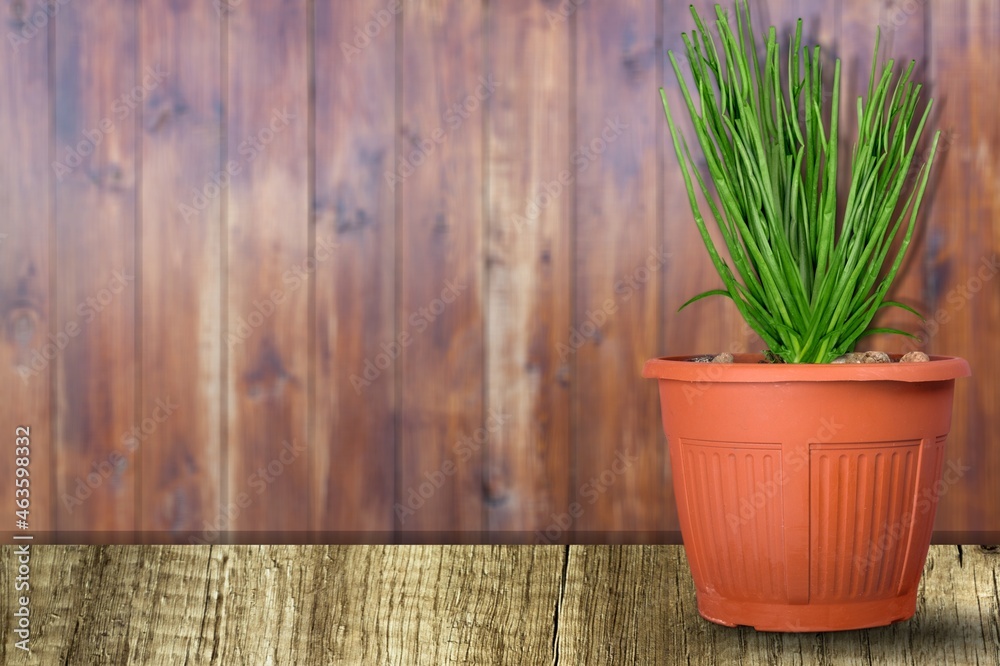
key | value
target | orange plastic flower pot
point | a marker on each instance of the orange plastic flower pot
(806, 493)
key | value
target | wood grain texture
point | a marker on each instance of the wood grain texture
(617, 605)
(269, 265)
(453, 605)
(619, 458)
(177, 438)
(25, 260)
(528, 293)
(440, 235)
(354, 411)
(963, 240)
(445, 362)
(97, 96)
(613, 615)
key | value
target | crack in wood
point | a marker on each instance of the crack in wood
(558, 607)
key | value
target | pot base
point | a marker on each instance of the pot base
(839, 616)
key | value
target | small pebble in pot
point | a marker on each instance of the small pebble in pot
(863, 357)
(914, 357)
(724, 357)
(702, 359)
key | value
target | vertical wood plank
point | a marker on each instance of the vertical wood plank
(97, 99)
(620, 459)
(25, 266)
(179, 419)
(963, 244)
(820, 25)
(354, 414)
(593, 627)
(530, 191)
(270, 266)
(439, 184)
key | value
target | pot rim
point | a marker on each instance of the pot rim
(747, 369)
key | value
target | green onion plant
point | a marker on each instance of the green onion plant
(807, 282)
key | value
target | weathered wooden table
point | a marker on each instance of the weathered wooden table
(448, 605)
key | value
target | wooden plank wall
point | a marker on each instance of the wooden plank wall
(962, 246)
(97, 95)
(355, 211)
(439, 166)
(528, 276)
(26, 262)
(179, 445)
(269, 290)
(388, 270)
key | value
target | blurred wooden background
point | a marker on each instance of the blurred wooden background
(380, 270)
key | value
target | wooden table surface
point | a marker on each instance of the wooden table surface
(260, 605)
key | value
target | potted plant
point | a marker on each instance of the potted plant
(806, 477)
